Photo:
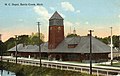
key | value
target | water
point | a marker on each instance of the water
(6, 73)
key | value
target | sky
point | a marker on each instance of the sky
(81, 15)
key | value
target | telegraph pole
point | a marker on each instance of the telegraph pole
(39, 42)
(90, 51)
(0, 37)
(1, 52)
(16, 47)
(119, 38)
(1, 46)
(119, 43)
(70, 29)
(111, 45)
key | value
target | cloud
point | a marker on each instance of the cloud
(62, 15)
(119, 16)
(43, 12)
(68, 27)
(68, 23)
(86, 23)
(21, 20)
(77, 11)
(53, 9)
(77, 23)
(43, 17)
(67, 6)
(72, 24)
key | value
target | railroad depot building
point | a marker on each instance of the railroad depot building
(66, 49)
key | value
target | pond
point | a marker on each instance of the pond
(6, 73)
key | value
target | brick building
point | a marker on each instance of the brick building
(67, 49)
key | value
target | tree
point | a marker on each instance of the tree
(24, 39)
(35, 40)
(10, 43)
(36, 34)
(2, 48)
(72, 35)
(106, 40)
(116, 41)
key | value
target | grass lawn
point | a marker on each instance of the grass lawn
(114, 64)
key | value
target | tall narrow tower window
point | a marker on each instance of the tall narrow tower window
(59, 28)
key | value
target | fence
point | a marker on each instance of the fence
(65, 66)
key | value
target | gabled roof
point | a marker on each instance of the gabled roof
(82, 47)
(28, 48)
(73, 40)
(19, 47)
(56, 15)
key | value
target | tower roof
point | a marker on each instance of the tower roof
(56, 15)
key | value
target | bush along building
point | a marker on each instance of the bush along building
(66, 49)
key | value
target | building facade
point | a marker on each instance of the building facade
(66, 49)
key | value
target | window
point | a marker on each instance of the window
(72, 45)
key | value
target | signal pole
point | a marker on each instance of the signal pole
(39, 42)
(90, 51)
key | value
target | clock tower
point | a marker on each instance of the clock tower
(56, 31)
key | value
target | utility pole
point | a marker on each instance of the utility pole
(16, 47)
(70, 29)
(0, 37)
(1, 52)
(39, 42)
(90, 51)
(1, 46)
(74, 31)
(111, 45)
(119, 43)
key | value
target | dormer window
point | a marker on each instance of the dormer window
(72, 45)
